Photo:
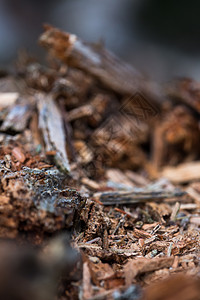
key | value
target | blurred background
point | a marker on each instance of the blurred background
(160, 38)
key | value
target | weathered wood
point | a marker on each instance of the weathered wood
(93, 59)
(113, 198)
(18, 117)
(51, 124)
(183, 172)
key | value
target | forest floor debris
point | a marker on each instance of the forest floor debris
(90, 147)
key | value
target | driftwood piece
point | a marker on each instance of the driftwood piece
(51, 124)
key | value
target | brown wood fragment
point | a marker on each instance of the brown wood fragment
(141, 234)
(80, 112)
(175, 287)
(193, 194)
(100, 63)
(195, 220)
(87, 286)
(137, 178)
(18, 154)
(93, 59)
(183, 172)
(175, 211)
(176, 137)
(142, 265)
(186, 91)
(51, 124)
(90, 183)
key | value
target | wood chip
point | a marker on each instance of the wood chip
(51, 124)
(183, 173)
(7, 99)
(137, 267)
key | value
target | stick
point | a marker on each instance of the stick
(113, 198)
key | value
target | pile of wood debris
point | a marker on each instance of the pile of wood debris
(91, 147)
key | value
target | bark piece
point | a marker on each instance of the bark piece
(38, 200)
(142, 265)
(51, 124)
(118, 197)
